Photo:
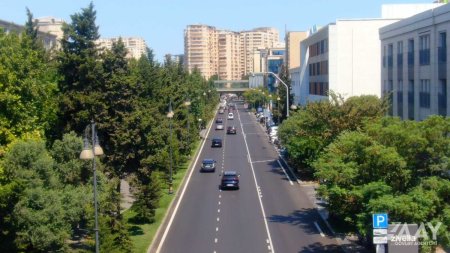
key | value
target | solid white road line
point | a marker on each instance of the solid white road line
(285, 173)
(264, 161)
(318, 228)
(256, 184)
(182, 195)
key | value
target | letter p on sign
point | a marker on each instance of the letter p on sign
(380, 220)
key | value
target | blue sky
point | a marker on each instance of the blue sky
(162, 22)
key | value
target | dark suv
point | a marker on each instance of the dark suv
(219, 121)
(230, 180)
(216, 142)
(231, 130)
(208, 165)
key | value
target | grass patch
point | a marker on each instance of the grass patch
(142, 234)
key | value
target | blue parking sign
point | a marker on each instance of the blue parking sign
(380, 220)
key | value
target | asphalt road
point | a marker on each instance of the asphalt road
(269, 213)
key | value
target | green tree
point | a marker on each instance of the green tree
(28, 88)
(81, 72)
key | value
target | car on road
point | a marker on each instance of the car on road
(230, 115)
(219, 126)
(208, 165)
(230, 180)
(231, 130)
(221, 111)
(219, 120)
(216, 142)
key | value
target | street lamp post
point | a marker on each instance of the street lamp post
(278, 107)
(170, 116)
(187, 103)
(89, 153)
(287, 90)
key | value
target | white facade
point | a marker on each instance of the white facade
(342, 57)
(414, 73)
(405, 10)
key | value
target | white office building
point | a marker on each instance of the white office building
(414, 66)
(342, 57)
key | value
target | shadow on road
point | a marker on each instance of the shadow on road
(303, 219)
(319, 247)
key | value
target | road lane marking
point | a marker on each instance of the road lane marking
(217, 229)
(264, 161)
(285, 173)
(256, 185)
(218, 219)
(320, 230)
(219, 203)
(215, 240)
(166, 231)
(218, 210)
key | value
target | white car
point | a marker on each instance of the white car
(230, 115)
(219, 126)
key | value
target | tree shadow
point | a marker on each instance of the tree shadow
(135, 230)
(319, 247)
(303, 219)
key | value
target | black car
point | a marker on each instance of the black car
(231, 130)
(230, 180)
(216, 142)
(208, 165)
(219, 121)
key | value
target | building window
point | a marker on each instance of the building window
(400, 98)
(390, 60)
(442, 49)
(411, 99)
(318, 88)
(424, 93)
(400, 60)
(384, 57)
(424, 47)
(411, 52)
(442, 97)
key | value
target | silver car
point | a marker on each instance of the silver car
(219, 126)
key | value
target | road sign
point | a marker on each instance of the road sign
(380, 239)
(380, 220)
(379, 231)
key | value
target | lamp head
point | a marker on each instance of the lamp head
(87, 153)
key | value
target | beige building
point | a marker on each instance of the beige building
(49, 40)
(415, 67)
(252, 41)
(135, 46)
(225, 53)
(201, 49)
(293, 53)
(230, 49)
(51, 25)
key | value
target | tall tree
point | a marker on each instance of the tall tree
(81, 72)
(31, 30)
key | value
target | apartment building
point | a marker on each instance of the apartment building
(414, 67)
(225, 53)
(201, 49)
(342, 57)
(258, 38)
(229, 67)
(135, 46)
(49, 40)
(293, 40)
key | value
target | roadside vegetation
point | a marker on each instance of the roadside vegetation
(367, 163)
(47, 100)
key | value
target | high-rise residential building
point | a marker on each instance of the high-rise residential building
(229, 67)
(293, 40)
(48, 40)
(415, 67)
(201, 49)
(258, 38)
(228, 54)
(135, 46)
